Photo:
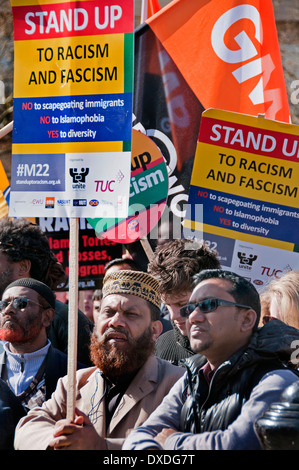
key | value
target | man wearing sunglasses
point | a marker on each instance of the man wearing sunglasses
(28, 362)
(214, 407)
(25, 252)
(174, 264)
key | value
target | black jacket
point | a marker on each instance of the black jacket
(11, 411)
(58, 333)
(214, 406)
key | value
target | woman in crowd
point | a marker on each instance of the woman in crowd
(280, 300)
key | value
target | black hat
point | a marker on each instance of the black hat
(41, 288)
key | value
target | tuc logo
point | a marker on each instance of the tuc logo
(271, 272)
(79, 177)
(103, 186)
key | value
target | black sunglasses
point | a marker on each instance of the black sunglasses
(207, 306)
(19, 304)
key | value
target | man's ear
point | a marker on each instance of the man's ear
(157, 329)
(24, 268)
(48, 317)
(248, 319)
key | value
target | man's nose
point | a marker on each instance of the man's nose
(174, 312)
(9, 309)
(196, 316)
(117, 319)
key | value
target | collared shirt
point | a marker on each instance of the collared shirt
(208, 372)
(22, 368)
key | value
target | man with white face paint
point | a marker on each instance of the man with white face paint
(214, 407)
(127, 383)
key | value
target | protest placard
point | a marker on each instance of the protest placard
(244, 196)
(148, 195)
(94, 253)
(246, 176)
(73, 79)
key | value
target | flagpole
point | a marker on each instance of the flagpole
(147, 248)
(144, 241)
(144, 11)
(72, 317)
(6, 129)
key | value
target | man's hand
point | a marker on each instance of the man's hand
(163, 435)
(76, 435)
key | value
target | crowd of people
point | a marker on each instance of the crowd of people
(182, 356)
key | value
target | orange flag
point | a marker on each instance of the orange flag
(4, 192)
(149, 8)
(228, 53)
(153, 7)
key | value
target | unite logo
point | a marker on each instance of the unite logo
(246, 261)
(247, 55)
(79, 177)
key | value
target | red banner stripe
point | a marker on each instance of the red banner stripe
(249, 139)
(74, 18)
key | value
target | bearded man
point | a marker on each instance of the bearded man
(126, 384)
(29, 363)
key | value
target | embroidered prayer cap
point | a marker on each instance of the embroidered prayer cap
(41, 288)
(137, 283)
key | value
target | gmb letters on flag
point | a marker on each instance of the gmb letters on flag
(197, 54)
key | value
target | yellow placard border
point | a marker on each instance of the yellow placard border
(67, 147)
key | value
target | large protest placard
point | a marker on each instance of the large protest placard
(244, 195)
(148, 195)
(72, 107)
(73, 80)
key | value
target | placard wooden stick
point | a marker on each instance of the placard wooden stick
(72, 317)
